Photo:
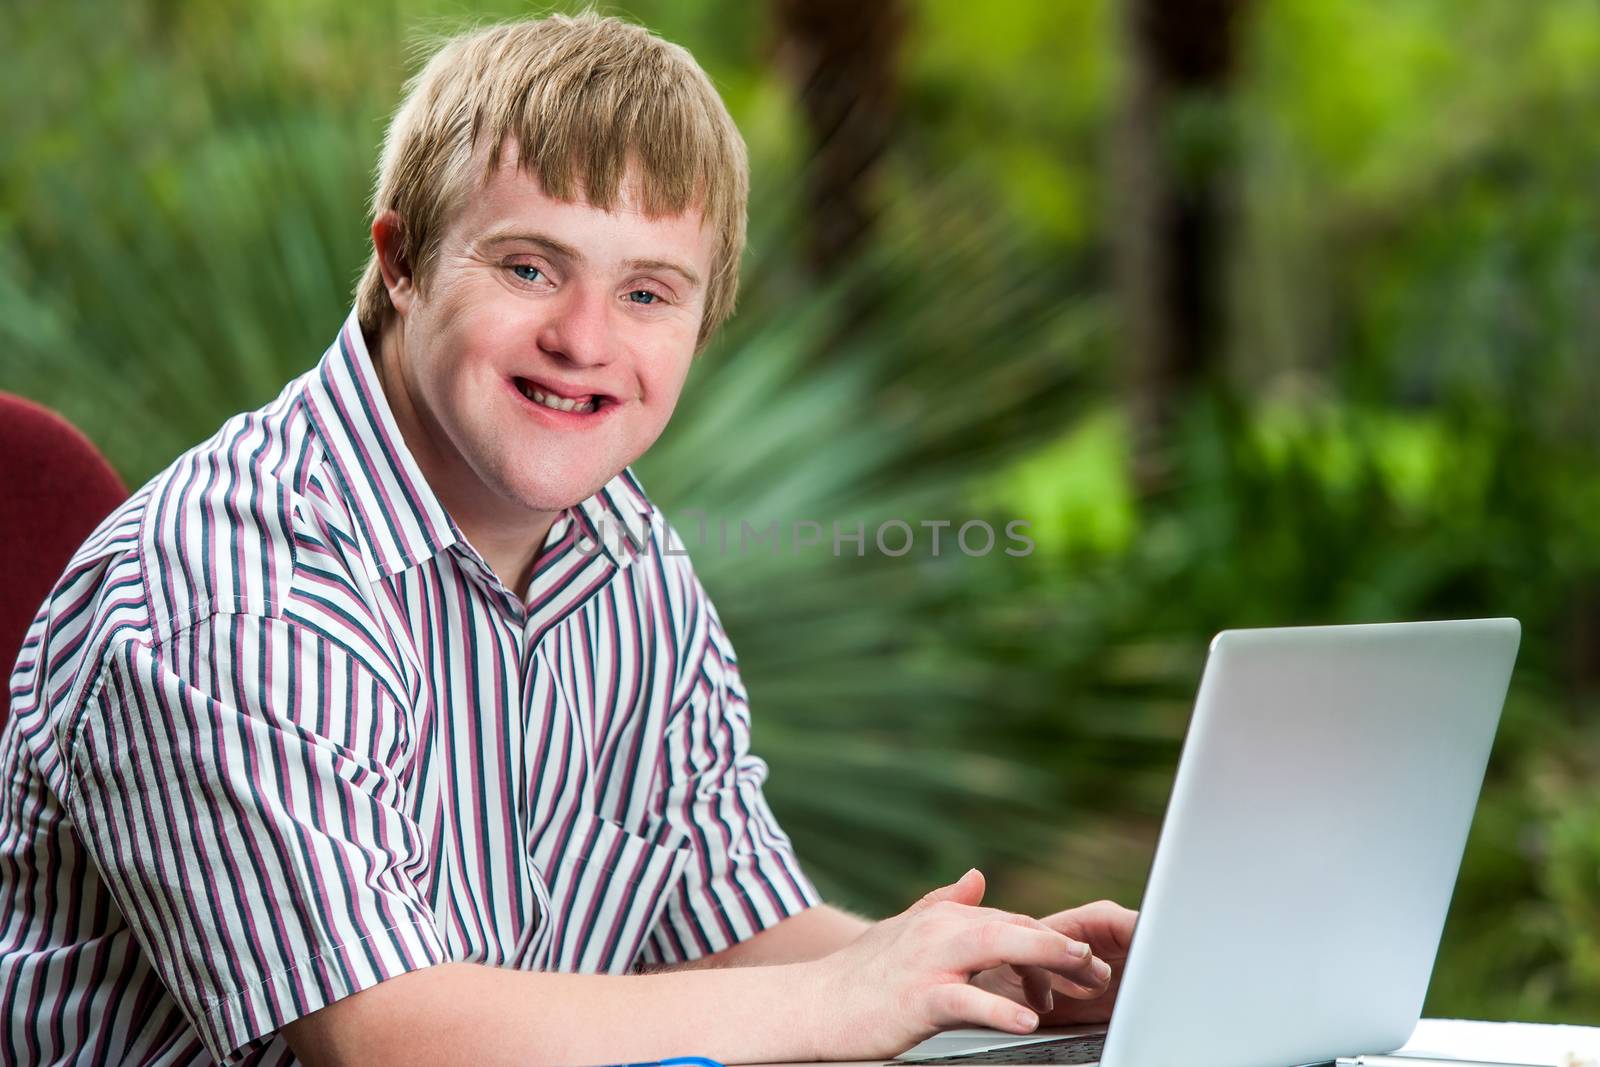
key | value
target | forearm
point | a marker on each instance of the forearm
(889, 988)
(810, 935)
(460, 1012)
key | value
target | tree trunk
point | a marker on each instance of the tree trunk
(842, 56)
(1174, 158)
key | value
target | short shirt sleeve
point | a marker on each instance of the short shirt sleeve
(236, 788)
(743, 876)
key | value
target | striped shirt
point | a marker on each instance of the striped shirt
(279, 733)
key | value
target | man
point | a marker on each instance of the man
(392, 725)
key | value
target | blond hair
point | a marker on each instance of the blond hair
(584, 97)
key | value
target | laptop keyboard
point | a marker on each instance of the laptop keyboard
(1064, 1050)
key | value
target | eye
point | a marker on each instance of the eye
(648, 297)
(527, 272)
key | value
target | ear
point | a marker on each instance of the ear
(394, 262)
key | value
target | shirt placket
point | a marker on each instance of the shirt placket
(573, 569)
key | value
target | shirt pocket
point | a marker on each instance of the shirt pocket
(609, 889)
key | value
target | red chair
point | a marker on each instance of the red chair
(55, 487)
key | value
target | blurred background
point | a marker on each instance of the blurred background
(1259, 312)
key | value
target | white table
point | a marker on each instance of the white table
(1528, 1043)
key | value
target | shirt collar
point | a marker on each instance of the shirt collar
(400, 515)
(618, 517)
(392, 501)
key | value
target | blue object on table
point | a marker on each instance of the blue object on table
(676, 1061)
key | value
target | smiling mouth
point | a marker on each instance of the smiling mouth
(581, 405)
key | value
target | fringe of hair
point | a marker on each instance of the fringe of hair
(583, 99)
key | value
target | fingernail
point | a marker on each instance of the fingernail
(1079, 949)
(1102, 970)
(1027, 1020)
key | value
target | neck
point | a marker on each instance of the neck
(508, 536)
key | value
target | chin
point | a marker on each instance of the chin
(548, 497)
(549, 485)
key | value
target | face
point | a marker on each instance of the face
(547, 347)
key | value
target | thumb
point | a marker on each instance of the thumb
(968, 889)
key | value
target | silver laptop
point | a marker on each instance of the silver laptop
(1308, 855)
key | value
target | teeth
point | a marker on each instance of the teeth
(585, 404)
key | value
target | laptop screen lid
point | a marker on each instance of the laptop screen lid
(1311, 844)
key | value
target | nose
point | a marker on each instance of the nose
(578, 330)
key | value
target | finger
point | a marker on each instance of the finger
(1106, 925)
(959, 1004)
(1063, 987)
(1080, 947)
(1036, 987)
(1008, 982)
(983, 945)
(1085, 986)
(968, 889)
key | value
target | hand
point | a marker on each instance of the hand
(1105, 927)
(910, 976)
